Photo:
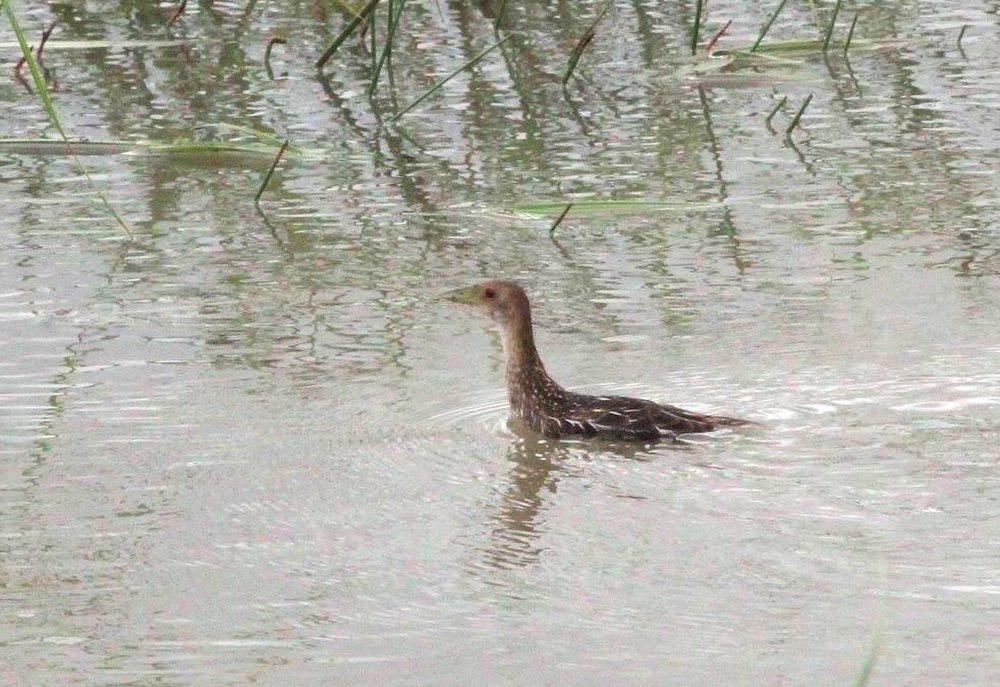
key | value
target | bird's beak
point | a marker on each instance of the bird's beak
(469, 295)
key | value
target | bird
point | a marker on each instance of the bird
(542, 404)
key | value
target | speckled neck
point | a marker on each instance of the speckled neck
(529, 387)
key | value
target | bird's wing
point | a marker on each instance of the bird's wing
(633, 418)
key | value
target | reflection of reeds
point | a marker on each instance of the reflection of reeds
(582, 44)
(50, 108)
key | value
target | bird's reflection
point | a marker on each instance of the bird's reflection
(535, 468)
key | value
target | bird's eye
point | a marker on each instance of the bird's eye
(489, 293)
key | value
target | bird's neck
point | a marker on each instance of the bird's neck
(528, 384)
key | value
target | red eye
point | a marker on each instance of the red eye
(489, 293)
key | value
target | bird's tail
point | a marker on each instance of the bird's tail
(724, 421)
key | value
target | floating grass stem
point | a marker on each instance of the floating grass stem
(50, 108)
(717, 36)
(442, 82)
(798, 115)
(582, 44)
(767, 26)
(559, 219)
(698, 6)
(829, 30)
(346, 33)
(270, 173)
(781, 103)
(850, 33)
(267, 53)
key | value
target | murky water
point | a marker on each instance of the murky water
(246, 449)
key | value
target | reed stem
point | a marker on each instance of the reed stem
(270, 172)
(833, 22)
(559, 219)
(582, 44)
(448, 78)
(346, 33)
(798, 115)
(767, 26)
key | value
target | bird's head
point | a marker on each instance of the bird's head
(504, 301)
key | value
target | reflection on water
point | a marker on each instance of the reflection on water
(256, 447)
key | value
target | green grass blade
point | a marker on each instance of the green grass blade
(395, 14)
(448, 78)
(50, 108)
(36, 73)
(781, 103)
(865, 674)
(850, 33)
(501, 13)
(346, 33)
(270, 172)
(829, 30)
(767, 26)
(798, 115)
(559, 219)
(697, 26)
(582, 44)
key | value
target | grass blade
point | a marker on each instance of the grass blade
(697, 26)
(177, 14)
(582, 44)
(270, 172)
(865, 674)
(717, 36)
(798, 115)
(50, 108)
(346, 33)
(267, 54)
(767, 26)
(448, 78)
(559, 219)
(850, 33)
(395, 14)
(777, 107)
(833, 22)
(501, 13)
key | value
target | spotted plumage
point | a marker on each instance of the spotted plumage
(538, 401)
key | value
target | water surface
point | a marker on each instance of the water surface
(249, 448)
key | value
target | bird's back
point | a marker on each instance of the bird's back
(623, 418)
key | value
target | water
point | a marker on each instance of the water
(246, 449)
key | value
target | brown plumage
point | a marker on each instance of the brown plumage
(538, 401)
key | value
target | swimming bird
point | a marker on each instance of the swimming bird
(542, 404)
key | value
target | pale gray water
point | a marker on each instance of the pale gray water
(240, 452)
